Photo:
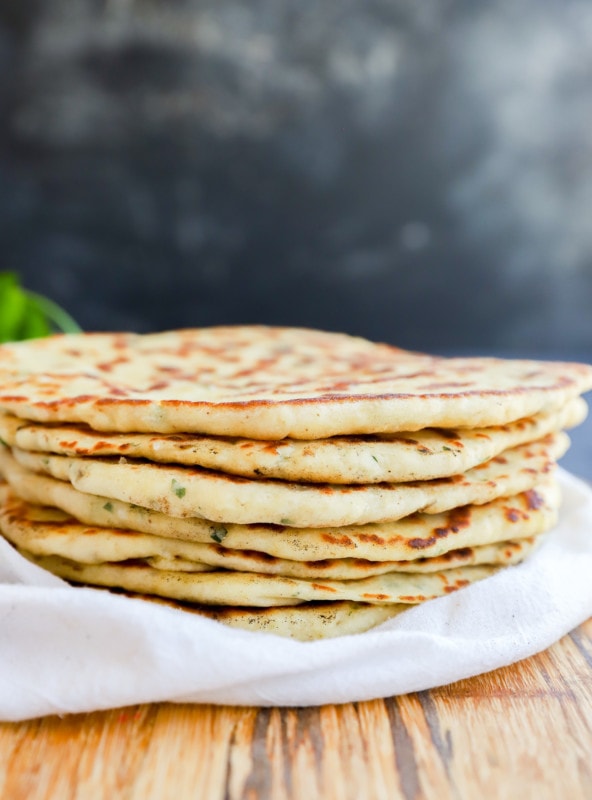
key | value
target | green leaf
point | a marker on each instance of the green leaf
(28, 315)
(33, 325)
(13, 305)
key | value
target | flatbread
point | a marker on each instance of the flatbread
(195, 492)
(259, 590)
(501, 554)
(307, 622)
(270, 383)
(44, 531)
(425, 535)
(423, 455)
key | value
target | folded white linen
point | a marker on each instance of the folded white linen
(65, 650)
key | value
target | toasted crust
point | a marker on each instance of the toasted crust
(420, 455)
(193, 492)
(262, 382)
(45, 531)
(417, 536)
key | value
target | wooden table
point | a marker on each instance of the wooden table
(520, 732)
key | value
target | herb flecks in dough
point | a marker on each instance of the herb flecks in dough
(177, 488)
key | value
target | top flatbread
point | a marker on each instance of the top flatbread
(264, 383)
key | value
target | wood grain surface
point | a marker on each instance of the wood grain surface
(524, 731)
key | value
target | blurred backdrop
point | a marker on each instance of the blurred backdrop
(415, 171)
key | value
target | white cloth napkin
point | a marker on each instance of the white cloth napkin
(65, 649)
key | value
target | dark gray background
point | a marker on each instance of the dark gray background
(415, 171)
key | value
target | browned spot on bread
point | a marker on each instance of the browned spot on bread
(323, 588)
(371, 537)
(342, 540)
(456, 585)
(155, 387)
(514, 514)
(327, 563)
(107, 366)
(445, 433)
(419, 544)
(268, 526)
(255, 555)
(460, 552)
(457, 519)
(99, 401)
(99, 446)
(270, 447)
(534, 499)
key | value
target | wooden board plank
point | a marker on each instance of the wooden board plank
(525, 729)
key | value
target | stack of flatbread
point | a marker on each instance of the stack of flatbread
(304, 483)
